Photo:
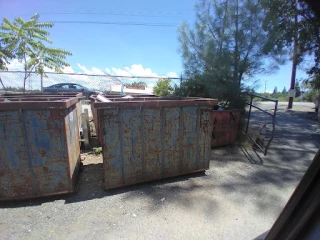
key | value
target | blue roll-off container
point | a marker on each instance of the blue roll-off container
(39, 145)
(145, 139)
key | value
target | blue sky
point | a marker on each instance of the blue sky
(121, 49)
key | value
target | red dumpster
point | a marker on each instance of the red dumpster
(225, 127)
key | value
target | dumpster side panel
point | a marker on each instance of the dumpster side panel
(170, 142)
(225, 127)
(132, 145)
(189, 141)
(15, 175)
(73, 137)
(205, 138)
(47, 149)
(109, 121)
(151, 143)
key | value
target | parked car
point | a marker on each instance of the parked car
(70, 87)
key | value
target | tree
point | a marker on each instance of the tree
(226, 46)
(163, 87)
(296, 29)
(26, 40)
(284, 91)
(275, 91)
(5, 55)
(297, 89)
(137, 85)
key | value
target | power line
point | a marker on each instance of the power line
(117, 23)
(142, 14)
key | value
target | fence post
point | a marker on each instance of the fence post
(249, 115)
(41, 76)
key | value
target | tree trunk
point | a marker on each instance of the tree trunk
(294, 63)
(223, 26)
(2, 84)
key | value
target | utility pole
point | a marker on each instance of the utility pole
(265, 86)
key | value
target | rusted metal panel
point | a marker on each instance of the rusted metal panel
(151, 143)
(39, 151)
(205, 137)
(111, 145)
(225, 127)
(171, 142)
(142, 143)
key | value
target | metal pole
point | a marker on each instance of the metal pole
(251, 98)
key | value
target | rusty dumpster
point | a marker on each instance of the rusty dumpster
(145, 139)
(39, 150)
(225, 127)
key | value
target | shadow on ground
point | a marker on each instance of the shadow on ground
(90, 186)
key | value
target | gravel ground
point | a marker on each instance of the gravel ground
(240, 197)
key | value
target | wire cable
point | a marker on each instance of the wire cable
(117, 23)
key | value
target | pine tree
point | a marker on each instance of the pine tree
(225, 47)
(275, 91)
(284, 91)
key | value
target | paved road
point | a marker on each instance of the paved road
(240, 197)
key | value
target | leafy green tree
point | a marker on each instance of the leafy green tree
(225, 47)
(297, 89)
(136, 85)
(5, 55)
(163, 87)
(25, 40)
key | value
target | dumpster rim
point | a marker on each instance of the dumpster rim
(156, 103)
(62, 104)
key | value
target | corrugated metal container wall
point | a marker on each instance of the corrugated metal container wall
(39, 151)
(225, 127)
(153, 139)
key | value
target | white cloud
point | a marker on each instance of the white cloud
(15, 65)
(120, 72)
(93, 70)
(172, 74)
(97, 82)
(68, 69)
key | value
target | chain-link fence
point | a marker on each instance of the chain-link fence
(16, 81)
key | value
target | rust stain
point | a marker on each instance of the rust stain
(42, 152)
(225, 127)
